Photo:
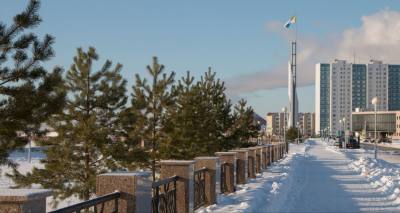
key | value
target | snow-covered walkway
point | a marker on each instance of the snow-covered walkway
(315, 178)
(324, 182)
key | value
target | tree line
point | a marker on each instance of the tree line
(99, 127)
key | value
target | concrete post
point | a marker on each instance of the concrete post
(241, 165)
(269, 148)
(229, 160)
(185, 185)
(211, 178)
(251, 163)
(258, 158)
(23, 200)
(265, 157)
(135, 188)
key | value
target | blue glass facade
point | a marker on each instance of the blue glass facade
(324, 96)
(359, 90)
(394, 87)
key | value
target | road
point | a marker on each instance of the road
(321, 181)
(389, 154)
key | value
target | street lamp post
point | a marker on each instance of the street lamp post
(298, 132)
(344, 131)
(375, 102)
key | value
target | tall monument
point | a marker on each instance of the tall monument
(293, 101)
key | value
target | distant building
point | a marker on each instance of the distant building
(341, 87)
(276, 123)
(306, 123)
(387, 125)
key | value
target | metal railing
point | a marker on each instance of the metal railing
(226, 168)
(200, 187)
(97, 204)
(164, 195)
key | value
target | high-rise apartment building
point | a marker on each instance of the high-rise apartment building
(377, 84)
(394, 85)
(322, 100)
(343, 87)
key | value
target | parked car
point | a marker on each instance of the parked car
(353, 144)
(384, 140)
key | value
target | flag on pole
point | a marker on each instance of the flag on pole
(292, 20)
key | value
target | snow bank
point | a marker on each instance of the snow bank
(384, 177)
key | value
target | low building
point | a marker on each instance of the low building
(387, 124)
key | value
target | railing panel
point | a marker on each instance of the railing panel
(97, 204)
(164, 195)
(199, 187)
(226, 169)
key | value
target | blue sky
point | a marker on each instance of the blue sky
(233, 37)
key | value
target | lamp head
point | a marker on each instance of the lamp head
(374, 100)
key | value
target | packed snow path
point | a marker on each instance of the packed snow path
(322, 181)
(317, 178)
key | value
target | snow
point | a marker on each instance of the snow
(317, 177)
(21, 157)
(254, 196)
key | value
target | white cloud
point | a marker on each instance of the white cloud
(378, 38)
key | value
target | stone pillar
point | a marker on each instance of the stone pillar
(265, 157)
(211, 178)
(185, 185)
(251, 163)
(258, 158)
(241, 165)
(273, 152)
(23, 200)
(135, 188)
(228, 163)
(269, 148)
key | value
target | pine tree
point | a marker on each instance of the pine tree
(87, 127)
(292, 134)
(28, 93)
(184, 122)
(216, 109)
(149, 103)
(198, 122)
(244, 127)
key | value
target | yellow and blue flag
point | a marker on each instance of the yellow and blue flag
(291, 21)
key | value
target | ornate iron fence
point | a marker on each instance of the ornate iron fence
(164, 195)
(199, 187)
(226, 168)
(97, 204)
